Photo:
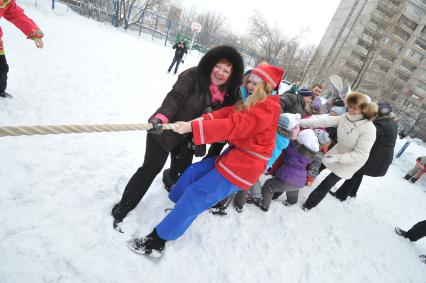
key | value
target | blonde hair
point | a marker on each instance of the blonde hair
(260, 93)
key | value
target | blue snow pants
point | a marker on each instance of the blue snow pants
(199, 187)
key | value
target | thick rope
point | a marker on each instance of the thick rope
(71, 129)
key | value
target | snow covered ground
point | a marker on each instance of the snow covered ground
(56, 191)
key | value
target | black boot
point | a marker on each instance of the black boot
(151, 245)
(401, 232)
(167, 181)
(407, 177)
(5, 95)
(335, 195)
(413, 180)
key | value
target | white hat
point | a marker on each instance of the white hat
(309, 139)
(294, 120)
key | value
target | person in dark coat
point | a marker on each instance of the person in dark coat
(211, 85)
(381, 153)
(416, 232)
(292, 102)
(180, 51)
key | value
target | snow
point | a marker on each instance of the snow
(57, 191)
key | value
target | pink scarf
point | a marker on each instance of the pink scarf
(217, 94)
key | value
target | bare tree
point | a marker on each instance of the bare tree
(213, 27)
(267, 40)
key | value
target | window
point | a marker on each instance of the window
(404, 21)
(352, 66)
(414, 55)
(385, 11)
(420, 45)
(401, 33)
(388, 56)
(364, 44)
(358, 56)
(402, 76)
(394, 45)
(396, 2)
(415, 10)
(409, 66)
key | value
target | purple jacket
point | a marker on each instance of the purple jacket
(293, 169)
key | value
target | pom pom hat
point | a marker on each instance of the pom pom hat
(269, 74)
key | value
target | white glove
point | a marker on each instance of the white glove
(331, 158)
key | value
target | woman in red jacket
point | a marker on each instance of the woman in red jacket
(15, 14)
(250, 128)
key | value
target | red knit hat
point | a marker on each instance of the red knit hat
(269, 74)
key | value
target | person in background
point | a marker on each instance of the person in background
(416, 232)
(414, 174)
(355, 137)
(250, 128)
(15, 14)
(179, 52)
(292, 102)
(381, 154)
(316, 90)
(211, 85)
(291, 170)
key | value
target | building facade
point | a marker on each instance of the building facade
(379, 47)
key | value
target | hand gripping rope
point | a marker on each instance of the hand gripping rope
(71, 129)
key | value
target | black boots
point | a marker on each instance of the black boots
(401, 232)
(5, 95)
(167, 181)
(151, 245)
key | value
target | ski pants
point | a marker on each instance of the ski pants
(321, 191)
(273, 186)
(155, 158)
(200, 187)
(350, 187)
(417, 232)
(4, 69)
(176, 60)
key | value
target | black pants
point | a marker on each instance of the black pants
(155, 158)
(417, 232)
(4, 69)
(176, 60)
(321, 191)
(350, 187)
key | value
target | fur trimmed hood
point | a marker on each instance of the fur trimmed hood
(208, 62)
(368, 108)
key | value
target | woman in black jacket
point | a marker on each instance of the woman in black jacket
(211, 85)
(381, 154)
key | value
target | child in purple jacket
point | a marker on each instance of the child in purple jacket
(292, 173)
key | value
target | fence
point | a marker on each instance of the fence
(157, 26)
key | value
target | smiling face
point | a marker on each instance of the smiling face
(221, 72)
(317, 90)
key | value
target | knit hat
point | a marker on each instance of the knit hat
(384, 108)
(269, 74)
(323, 137)
(338, 110)
(293, 120)
(305, 92)
(316, 104)
(308, 139)
(284, 122)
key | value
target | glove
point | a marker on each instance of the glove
(331, 158)
(310, 180)
(157, 126)
(199, 150)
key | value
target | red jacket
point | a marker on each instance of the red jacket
(15, 14)
(251, 134)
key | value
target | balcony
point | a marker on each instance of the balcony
(402, 77)
(407, 24)
(420, 46)
(401, 33)
(408, 67)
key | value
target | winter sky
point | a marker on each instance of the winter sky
(292, 16)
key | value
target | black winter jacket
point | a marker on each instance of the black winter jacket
(292, 103)
(381, 153)
(179, 50)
